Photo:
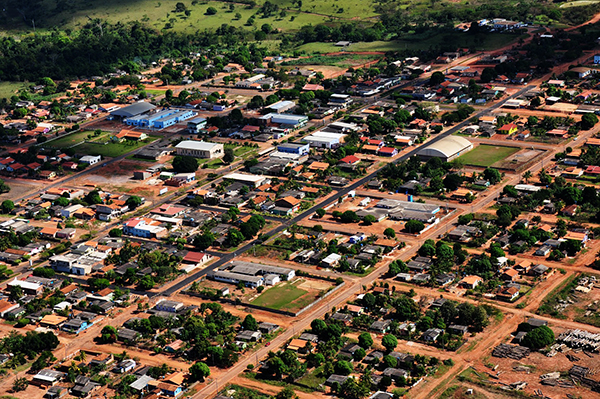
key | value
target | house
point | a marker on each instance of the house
(196, 258)
(509, 274)
(6, 307)
(175, 346)
(569, 210)
(470, 282)
(509, 128)
(47, 377)
(538, 270)
(336, 379)
(298, 345)
(169, 306)
(267, 328)
(125, 366)
(388, 151)
(331, 260)
(507, 293)
(90, 159)
(171, 390)
(381, 326)
(432, 334)
(249, 336)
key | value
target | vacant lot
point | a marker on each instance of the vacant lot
(487, 155)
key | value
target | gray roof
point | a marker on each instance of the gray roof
(133, 109)
(141, 382)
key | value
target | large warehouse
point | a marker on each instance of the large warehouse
(446, 149)
(132, 110)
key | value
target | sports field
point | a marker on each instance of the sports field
(486, 155)
(285, 296)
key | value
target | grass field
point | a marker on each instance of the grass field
(8, 89)
(97, 146)
(417, 42)
(157, 14)
(487, 155)
(284, 296)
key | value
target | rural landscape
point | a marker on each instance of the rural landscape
(294, 199)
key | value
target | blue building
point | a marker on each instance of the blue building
(294, 148)
(161, 119)
(75, 326)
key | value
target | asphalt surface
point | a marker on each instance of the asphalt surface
(229, 257)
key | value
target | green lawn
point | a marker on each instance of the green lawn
(97, 146)
(487, 155)
(283, 296)
(312, 378)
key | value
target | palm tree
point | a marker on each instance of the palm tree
(527, 175)
(81, 356)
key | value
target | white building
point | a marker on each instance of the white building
(91, 159)
(250, 180)
(200, 149)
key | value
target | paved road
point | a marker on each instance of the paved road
(361, 182)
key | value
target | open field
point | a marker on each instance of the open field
(8, 89)
(487, 155)
(100, 145)
(290, 296)
(418, 41)
(158, 14)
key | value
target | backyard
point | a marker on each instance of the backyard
(486, 155)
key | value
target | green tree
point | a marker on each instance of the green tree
(588, 121)
(320, 212)
(369, 220)
(414, 226)
(539, 338)
(199, 371)
(343, 367)
(229, 155)
(20, 384)
(115, 232)
(133, 202)
(185, 164)
(7, 206)
(211, 11)
(62, 201)
(108, 334)
(286, 393)
(389, 341)
(389, 232)
(365, 340)
(250, 323)
(203, 241)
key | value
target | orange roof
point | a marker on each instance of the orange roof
(5, 305)
(177, 377)
(68, 288)
(511, 272)
(471, 280)
(318, 166)
(296, 344)
(49, 231)
(291, 200)
(53, 319)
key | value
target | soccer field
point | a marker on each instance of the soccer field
(487, 155)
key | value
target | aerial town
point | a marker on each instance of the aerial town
(297, 211)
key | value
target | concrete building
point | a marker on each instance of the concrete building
(132, 110)
(446, 149)
(200, 149)
(250, 180)
(161, 119)
(294, 148)
(91, 159)
(195, 125)
(281, 106)
(285, 120)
